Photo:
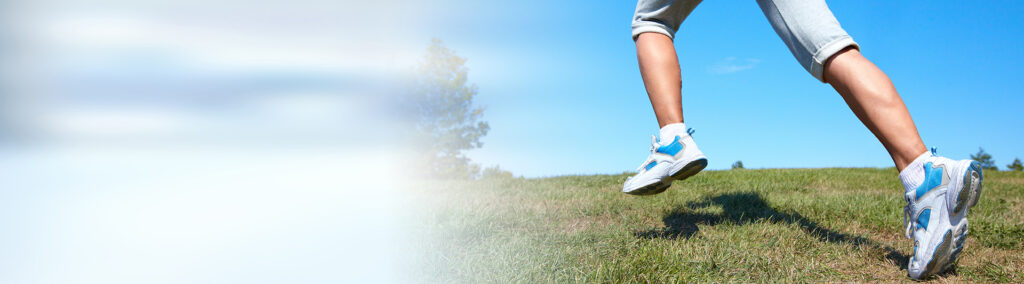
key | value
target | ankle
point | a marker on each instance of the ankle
(913, 173)
(670, 131)
(904, 159)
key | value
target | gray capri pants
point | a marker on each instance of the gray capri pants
(807, 27)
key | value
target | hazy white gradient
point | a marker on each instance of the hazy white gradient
(203, 142)
(194, 216)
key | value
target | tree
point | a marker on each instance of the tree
(737, 165)
(445, 119)
(985, 160)
(1016, 165)
(496, 172)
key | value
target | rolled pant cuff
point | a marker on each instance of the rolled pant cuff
(826, 52)
(652, 28)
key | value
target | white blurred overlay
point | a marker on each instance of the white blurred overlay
(201, 142)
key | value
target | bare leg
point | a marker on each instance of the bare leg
(873, 98)
(659, 67)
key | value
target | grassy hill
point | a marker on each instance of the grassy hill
(741, 225)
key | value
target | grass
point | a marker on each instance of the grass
(740, 225)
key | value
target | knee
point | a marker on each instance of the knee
(832, 66)
(852, 71)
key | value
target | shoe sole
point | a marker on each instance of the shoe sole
(687, 171)
(938, 261)
(970, 190)
(967, 198)
(958, 246)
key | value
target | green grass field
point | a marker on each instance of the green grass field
(739, 225)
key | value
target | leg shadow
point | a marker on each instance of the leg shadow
(746, 207)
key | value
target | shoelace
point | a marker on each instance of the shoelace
(911, 226)
(908, 211)
(654, 144)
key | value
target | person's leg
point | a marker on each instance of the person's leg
(938, 191)
(659, 68)
(674, 155)
(655, 22)
(820, 44)
(873, 98)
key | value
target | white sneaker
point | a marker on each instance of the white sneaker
(675, 160)
(936, 212)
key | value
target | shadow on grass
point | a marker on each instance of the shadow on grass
(745, 207)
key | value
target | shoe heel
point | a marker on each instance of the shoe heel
(651, 189)
(691, 169)
(970, 189)
(976, 184)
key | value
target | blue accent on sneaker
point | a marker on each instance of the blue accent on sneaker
(922, 220)
(650, 165)
(672, 148)
(932, 179)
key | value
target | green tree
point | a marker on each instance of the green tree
(1016, 165)
(737, 165)
(496, 172)
(986, 161)
(446, 121)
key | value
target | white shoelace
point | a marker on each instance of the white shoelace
(907, 211)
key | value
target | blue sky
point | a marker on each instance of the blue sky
(210, 141)
(564, 96)
(559, 80)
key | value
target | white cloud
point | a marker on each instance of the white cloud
(731, 65)
(223, 48)
(116, 121)
(198, 69)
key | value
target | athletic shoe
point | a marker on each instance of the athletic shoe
(675, 160)
(936, 213)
